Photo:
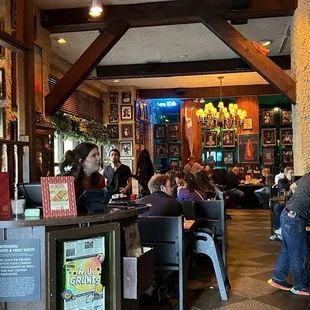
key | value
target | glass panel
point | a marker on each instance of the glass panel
(68, 145)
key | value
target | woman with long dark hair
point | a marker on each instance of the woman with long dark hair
(83, 163)
(192, 190)
(145, 168)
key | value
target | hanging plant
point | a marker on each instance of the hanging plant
(79, 129)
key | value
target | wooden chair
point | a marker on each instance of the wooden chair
(165, 236)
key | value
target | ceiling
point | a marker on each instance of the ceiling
(54, 4)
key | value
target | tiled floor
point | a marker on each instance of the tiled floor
(251, 258)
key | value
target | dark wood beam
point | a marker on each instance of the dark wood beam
(251, 55)
(161, 13)
(208, 92)
(84, 65)
(13, 44)
(183, 68)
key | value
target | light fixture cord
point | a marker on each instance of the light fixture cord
(221, 99)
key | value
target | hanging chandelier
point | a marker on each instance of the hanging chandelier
(221, 117)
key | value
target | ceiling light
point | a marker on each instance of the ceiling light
(95, 9)
(265, 42)
(62, 41)
(116, 81)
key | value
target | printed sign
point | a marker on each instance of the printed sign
(83, 274)
(20, 270)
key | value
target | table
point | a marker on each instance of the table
(249, 199)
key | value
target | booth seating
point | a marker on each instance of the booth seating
(165, 236)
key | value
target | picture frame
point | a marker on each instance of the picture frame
(113, 97)
(174, 164)
(133, 246)
(137, 132)
(174, 150)
(161, 150)
(160, 132)
(2, 49)
(268, 156)
(38, 78)
(126, 148)
(173, 131)
(228, 158)
(248, 169)
(268, 118)
(248, 123)
(114, 109)
(228, 138)
(2, 88)
(113, 131)
(142, 128)
(286, 136)
(210, 139)
(113, 118)
(126, 97)
(211, 158)
(126, 131)
(137, 111)
(248, 148)
(287, 158)
(286, 117)
(142, 139)
(269, 137)
(126, 112)
(127, 161)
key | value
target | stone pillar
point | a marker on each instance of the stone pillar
(300, 51)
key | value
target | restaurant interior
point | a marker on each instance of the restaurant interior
(224, 81)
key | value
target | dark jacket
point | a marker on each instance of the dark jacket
(232, 181)
(283, 185)
(162, 205)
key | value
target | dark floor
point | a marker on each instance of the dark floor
(251, 258)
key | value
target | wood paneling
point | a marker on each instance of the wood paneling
(197, 132)
(251, 105)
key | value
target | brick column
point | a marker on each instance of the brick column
(300, 50)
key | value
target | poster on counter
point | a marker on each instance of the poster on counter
(83, 270)
(20, 270)
(58, 197)
(5, 207)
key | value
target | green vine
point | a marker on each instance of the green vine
(72, 127)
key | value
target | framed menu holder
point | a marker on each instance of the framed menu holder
(58, 197)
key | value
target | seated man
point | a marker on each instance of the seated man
(179, 180)
(232, 182)
(162, 202)
(260, 193)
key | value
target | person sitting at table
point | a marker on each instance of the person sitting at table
(179, 180)
(117, 175)
(192, 166)
(260, 193)
(232, 182)
(283, 186)
(160, 199)
(293, 254)
(209, 171)
(205, 184)
(83, 163)
(191, 191)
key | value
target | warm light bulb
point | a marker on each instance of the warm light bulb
(95, 9)
(62, 41)
(221, 105)
(236, 106)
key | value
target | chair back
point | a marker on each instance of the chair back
(165, 235)
(189, 209)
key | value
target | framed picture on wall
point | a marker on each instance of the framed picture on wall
(113, 118)
(286, 136)
(248, 148)
(210, 138)
(269, 137)
(126, 112)
(126, 148)
(137, 132)
(228, 158)
(287, 157)
(114, 109)
(228, 138)
(127, 161)
(248, 123)
(286, 117)
(175, 150)
(210, 158)
(160, 132)
(160, 150)
(113, 97)
(268, 118)
(126, 97)
(113, 131)
(126, 131)
(268, 156)
(173, 132)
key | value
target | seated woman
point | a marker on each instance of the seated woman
(83, 163)
(191, 191)
(205, 184)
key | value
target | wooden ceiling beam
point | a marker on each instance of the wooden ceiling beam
(208, 92)
(251, 55)
(235, 65)
(84, 65)
(161, 13)
(13, 44)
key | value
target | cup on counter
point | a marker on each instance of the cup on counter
(18, 207)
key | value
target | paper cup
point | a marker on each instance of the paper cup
(18, 206)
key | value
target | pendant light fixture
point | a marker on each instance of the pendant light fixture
(95, 10)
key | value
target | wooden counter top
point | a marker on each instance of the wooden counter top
(111, 216)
